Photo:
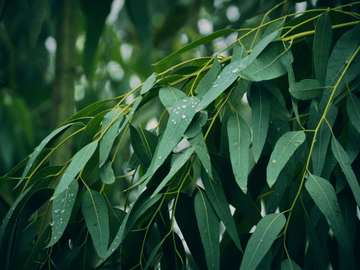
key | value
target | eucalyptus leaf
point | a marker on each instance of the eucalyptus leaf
(289, 264)
(202, 152)
(96, 217)
(110, 127)
(345, 165)
(284, 149)
(323, 194)
(260, 117)
(37, 9)
(107, 173)
(353, 110)
(62, 208)
(239, 142)
(306, 89)
(261, 240)
(322, 46)
(148, 84)
(170, 95)
(209, 230)
(76, 165)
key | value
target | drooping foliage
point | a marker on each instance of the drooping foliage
(279, 188)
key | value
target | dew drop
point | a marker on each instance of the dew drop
(184, 100)
(192, 106)
(62, 211)
(55, 238)
(183, 106)
(52, 223)
(274, 161)
(174, 122)
(159, 157)
(183, 116)
(215, 85)
(56, 211)
(235, 70)
(236, 144)
(174, 110)
(177, 112)
(218, 77)
(113, 249)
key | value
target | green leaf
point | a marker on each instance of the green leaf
(87, 110)
(140, 18)
(238, 53)
(209, 230)
(322, 140)
(352, 143)
(186, 219)
(279, 190)
(288, 264)
(207, 82)
(306, 89)
(322, 46)
(260, 109)
(107, 173)
(271, 63)
(216, 194)
(353, 110)
(112, 119)
(223, 81)
(239, 142)
(277, 101)
(250, 40)
(76, 165)
(274, 27)
(142, 204)
(96, 217)
(62, 208)
(195, 44)
(37, 9)
(284, 149)
(241, 201)
(323, 194)
(202, 152)
(261, 240)
(31, 262)
(153, 254)
(148, 84)
(345, 165)
(314, 242)
(180, 118)
(144, 144)
(169, 96)
(37, 151)
(92, 128)
(178, 162)
(261, 46)
(68, 258)
(196, 125)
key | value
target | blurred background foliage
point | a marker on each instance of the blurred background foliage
(98, 50)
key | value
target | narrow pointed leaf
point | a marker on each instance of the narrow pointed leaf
(306, 89)
(76, 165)
(148, 84)
(353, 110)
(207, 82)
(37, 9)
(271, 63)
(153, 254)
(238, 53)
(179, 120)
(223, 81)
(135, 106)
(284, 149)
(37, 151)
(289, 264)
(209, 230)
(261, 46)
(216, 194)
(170, 95)
(196, 43)
(261, 240)
(113, 118)
(139, 208)
(323, 194)
(179, 162)
(91, 129)
(202, 152)
(345, 165)
(95, 212)
(196, 125)
(239, 142)
(260, 109)
(107, 173)
(322, 141)
(62, 208)
(322, 46)
(352, 143)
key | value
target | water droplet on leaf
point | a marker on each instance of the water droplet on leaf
(273, 161)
